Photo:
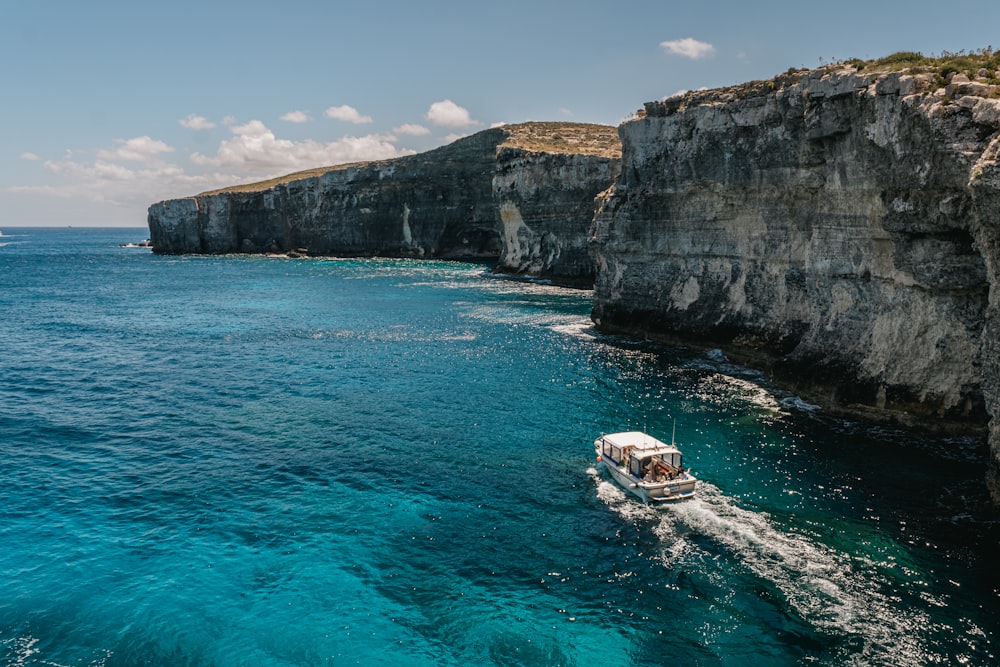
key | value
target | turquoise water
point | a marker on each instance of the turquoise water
(262, 461)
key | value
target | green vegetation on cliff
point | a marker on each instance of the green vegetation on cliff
(976, 74)
(569, 138)
(983, 64)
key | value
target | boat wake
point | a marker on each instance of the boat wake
(615, 497)
(837, 595)
(817, 583)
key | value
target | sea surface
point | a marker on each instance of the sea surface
(269, 461)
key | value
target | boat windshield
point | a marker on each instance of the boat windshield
(635, 467)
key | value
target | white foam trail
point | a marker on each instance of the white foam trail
(511, 314)
(615, 497)
(803, 570)
(831, 591)
(578, 328)
(796, 403)
(824, 587)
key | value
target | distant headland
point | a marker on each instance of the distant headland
(521, 195)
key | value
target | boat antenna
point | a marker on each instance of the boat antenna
(673, 433)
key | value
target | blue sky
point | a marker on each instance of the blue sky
(111, 106)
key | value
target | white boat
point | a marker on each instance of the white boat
(652, 470)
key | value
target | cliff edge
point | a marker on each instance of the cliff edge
(837, 226)
(519, 194)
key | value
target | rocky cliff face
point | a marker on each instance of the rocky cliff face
(544, 184)
(839, 226)
(521, 193)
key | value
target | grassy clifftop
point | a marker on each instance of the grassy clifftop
(983, 64)
(572, 138)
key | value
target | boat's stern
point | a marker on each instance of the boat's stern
(673, 490)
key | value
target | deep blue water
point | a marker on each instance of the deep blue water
(264, 461)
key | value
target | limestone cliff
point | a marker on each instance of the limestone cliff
(544, 184)
(521, 193)
(838, 226)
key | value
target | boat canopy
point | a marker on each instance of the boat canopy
(643, 445)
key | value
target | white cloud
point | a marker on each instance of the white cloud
(566, 112)
(448, 114)
(348, 114)
(454, 136)
(122, 187)
(254, 150)
(412, 129)
(100, 170)
(130, 175)
(138, 149)
(196, 122)
(688, 47)
(296, 117)
(121, 182)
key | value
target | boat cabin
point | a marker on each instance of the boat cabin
(642, 456)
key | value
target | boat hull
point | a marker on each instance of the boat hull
(651, 492)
